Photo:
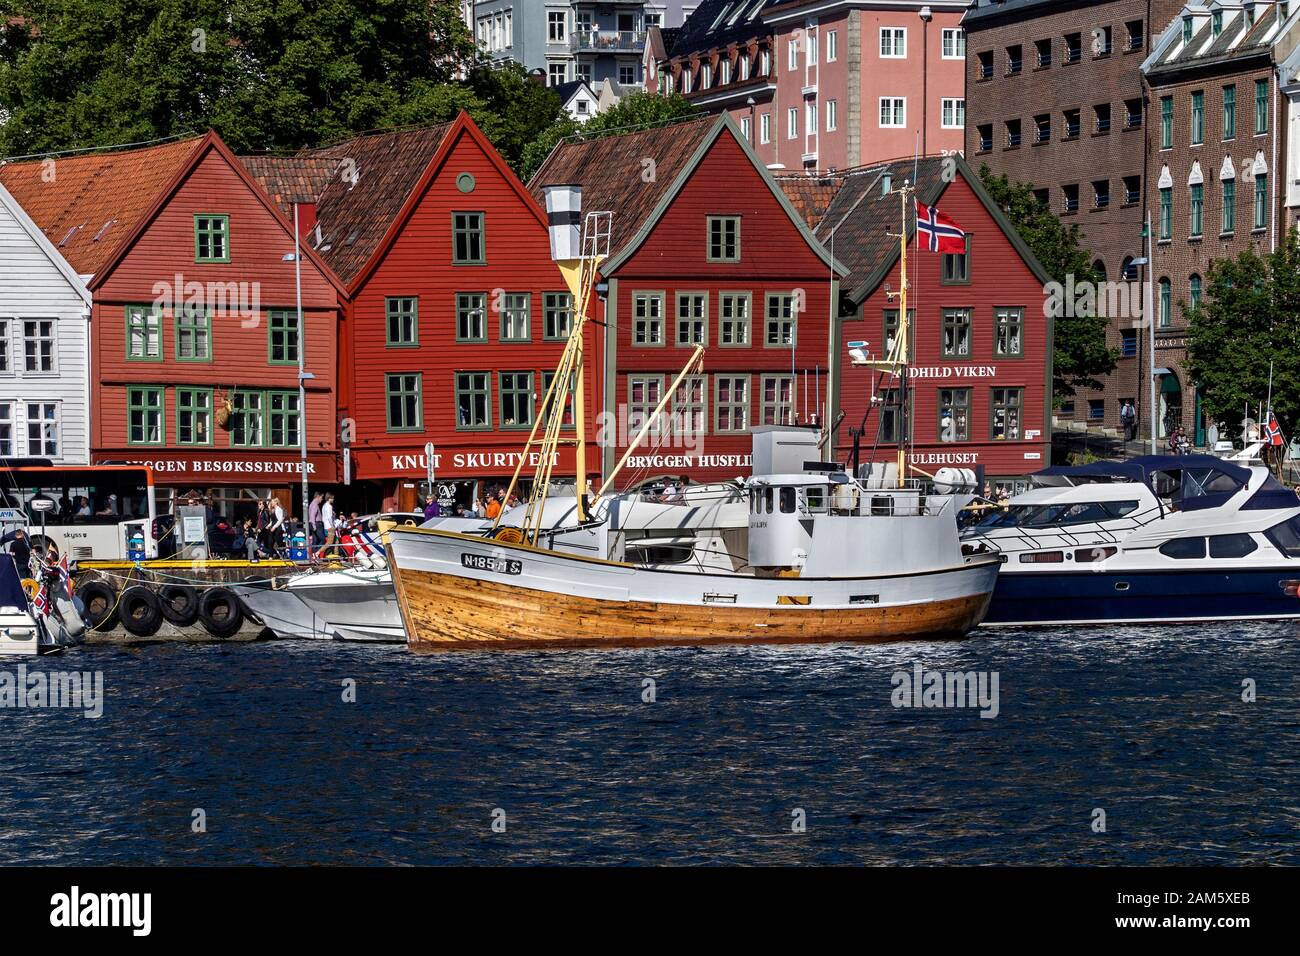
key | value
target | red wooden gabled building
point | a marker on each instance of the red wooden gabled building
(705, 249)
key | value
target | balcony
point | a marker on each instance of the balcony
(607, 41)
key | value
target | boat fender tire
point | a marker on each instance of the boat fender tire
(180, 603)
(220, 611)
(100, 602)
(140, 611)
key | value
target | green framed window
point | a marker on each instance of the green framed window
(284, 416)
(782, 321)
(1004, 413)
(405, 394)
(516, 317)
(143, 334)
(733, 319)
(144, 415)
(954, 414)
(1197, 195)
(471, 317)
(777, 399)
(402, 321)
(557, 316)
(731, 403)
(724, 238)
(211, 238)
(1194, 292)
(1166, 307)
(248, 418)
(282, 337)
(1229, 223)
(194, 416)
(956, 333)
(193, 336)
(692, 318)
(1198, 117)
(691, 405)
(1009, 328)
(468, 247)
(1166, 212)
(890, 416)
(567, 420)
(515, 390)
(473, 401)
(1261, 107)
(891, 331)
(1230, 111)
(647, 318)
(955, 268)
(644, 392)
(1261, 201)
(1166, 122)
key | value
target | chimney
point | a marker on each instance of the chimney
(564, 218)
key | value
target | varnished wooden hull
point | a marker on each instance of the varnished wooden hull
(446, 612)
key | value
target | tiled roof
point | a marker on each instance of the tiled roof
(353, 212)
(1237, 38)
(811, 196)
(716, 23)
(94, 200)
(610, 170)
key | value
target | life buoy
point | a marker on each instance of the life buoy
(140, 611)
(180, 603)
(220, 612)
(99, 603)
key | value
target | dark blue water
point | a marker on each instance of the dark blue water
(1145, 724)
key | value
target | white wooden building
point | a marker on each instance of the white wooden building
(44, 345)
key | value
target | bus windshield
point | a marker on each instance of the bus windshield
(91, 496)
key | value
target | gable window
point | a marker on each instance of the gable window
(733, 318)
(557, 318)
(467, 238)
(405, 394)
(724, 238)
(144, 415)
(1004, 424)
(471, 323)
(644, 393)
(955, 269)
(194, 416)
(38, 345)
(193, 336)
(143, 334)
(43, 429)
(516, 391)
(893, 42)
(403, 320)
(648, 318)
(692, 318)
(954, 43)
(473, 401)
(690, 406)
(893, 111)
(282, 344)
(777, 400)
(1008, 326)
(956, 333)
(516, 318)
(731, 403)
(954, 414)
(211, 238)
(781, 321)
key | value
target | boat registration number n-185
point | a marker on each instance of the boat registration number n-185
(483, 562)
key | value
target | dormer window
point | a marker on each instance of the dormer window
(1187, 30)
(1216, 22)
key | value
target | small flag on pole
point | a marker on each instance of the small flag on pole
(1273, 431)
(65, 576)
(938, 232)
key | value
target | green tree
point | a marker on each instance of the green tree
(636, 110)
(1249, 316)
(1081, 354)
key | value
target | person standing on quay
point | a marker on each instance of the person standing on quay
(316, 534)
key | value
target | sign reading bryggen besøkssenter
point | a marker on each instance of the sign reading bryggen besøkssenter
(217, 466)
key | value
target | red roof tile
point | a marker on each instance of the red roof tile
(811, 196)
(94, 200)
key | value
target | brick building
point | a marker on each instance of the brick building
(1216, 155)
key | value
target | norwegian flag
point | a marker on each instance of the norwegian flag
(41, 603)
(65, 576)
(939, 233)
(1273, 431)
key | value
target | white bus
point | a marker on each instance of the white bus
(97, 512)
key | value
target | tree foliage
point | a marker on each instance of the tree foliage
(1081, 354)
(1249, 316)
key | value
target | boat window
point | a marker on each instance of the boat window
(816, 498)
(1042, 557)
(1085, 555)
(1184, 548)
(1286, 537)
(882, 505)
(1119, 509)
(657, 554)
(767, 500)
(788, 497)
(1231, 545)
(1084, 513)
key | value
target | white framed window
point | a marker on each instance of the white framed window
(793, 61)
(812, 49)
(557, 26)
(832, 45)
(627, 76)
(43, 429)
(582, 72)
(810, 116)
(791, 123)
(744, 66)
(557, 73)
(954, 113)
(954, 43)
(745, 128)
(765, 128)
(706, 76)
(6, 430)
(6, 363)
(832, 115)
(688, 80)
(764, 63)
(38, 346)
(725, 70)
(893, 111)
(893, 42)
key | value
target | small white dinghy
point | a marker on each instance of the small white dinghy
(26, 632)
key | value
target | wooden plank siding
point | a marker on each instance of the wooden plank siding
(419, 264)
(775, 258)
